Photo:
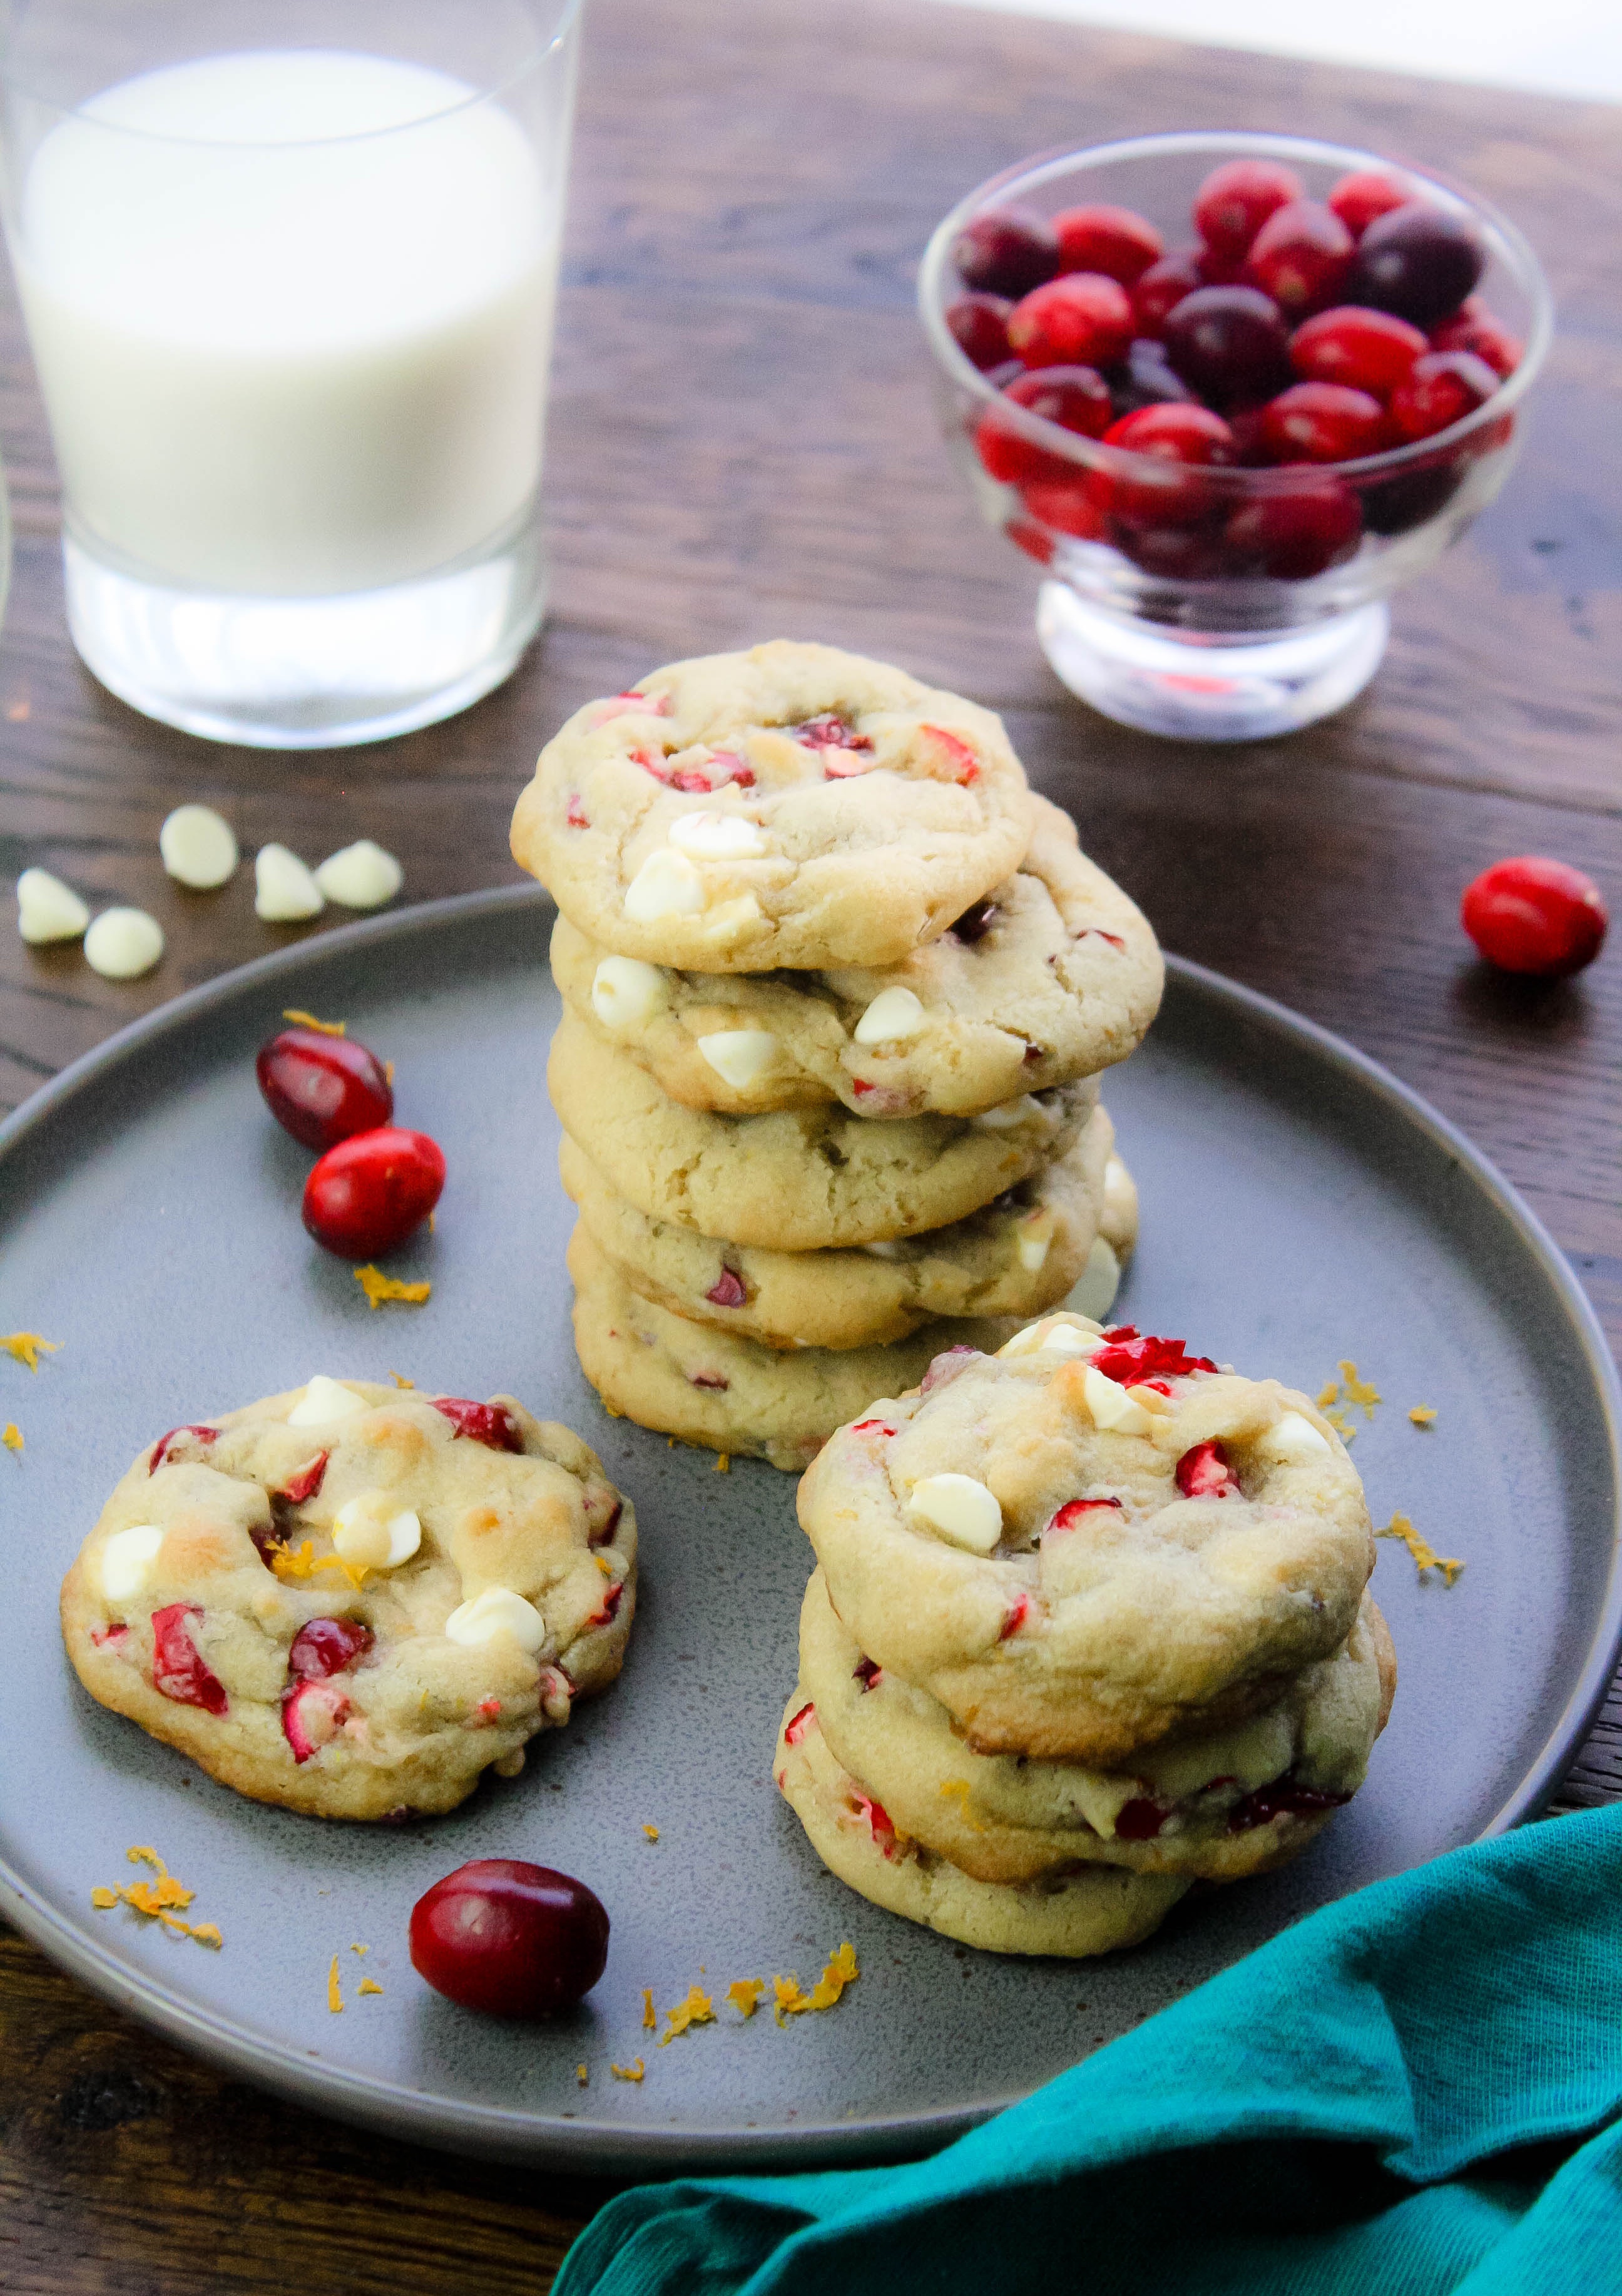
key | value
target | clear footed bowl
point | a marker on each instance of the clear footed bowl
(1262, 606)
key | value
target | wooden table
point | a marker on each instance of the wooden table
(741, 447)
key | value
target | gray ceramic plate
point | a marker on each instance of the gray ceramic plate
(1298, 1206)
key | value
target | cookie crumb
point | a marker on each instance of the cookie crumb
(697, 2009)
(629, 2072)
(25, 1347)
(334, 1992)
(651, 1832)
(322, 1027)
(12, 1436)
(367, 1985)
(379, 1287)
(1425, 1556)
(744, 1994)
(1422, 1414)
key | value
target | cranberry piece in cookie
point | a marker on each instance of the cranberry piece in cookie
(179, 1669)
(490, 1424)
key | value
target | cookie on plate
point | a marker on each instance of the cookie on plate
(1056, 974)
(801, 1179)
(1089, 1542)
(351, 1600)
(789, 806)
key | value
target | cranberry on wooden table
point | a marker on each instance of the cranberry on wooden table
(509, 1939)
(1081, 320)
(1230, 343)
(1534, 915)
(1419, 261)
(368, 1193)
(1236, 199)
(1441, 389)
(1300, 257)
(1007, 251)
(1162, 287)
(979, 325)
(323, 1088)
(1358, 198)
(1323, 423)
(1116, 242)
(1371, 350)
(1076, 398)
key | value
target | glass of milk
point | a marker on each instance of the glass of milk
(288, 269)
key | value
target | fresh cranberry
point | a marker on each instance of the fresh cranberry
(1534, 915)
(313, 1713)
(1147, 379)
(1230, 343)
(1075, 1512)
(1066, 504)
(978, 326)
(327, 1646)
(1284, 1797)
(1443, 387)
(511, 1939)
(795, 1728)
(1323, 423)
(1204, 1473)
(1417, 260)
(1217, 269)
(1170, 553)
(867, 1673)
(1398, 504)
(1034, 540)
(962, 766)
(1369, 350)
(974, 923)
(369, 1192)
(602, 1500)
(1015, 1618)
(1358, 198)
(1474, 328)
(1075, 398)
(1116, 242)
(1130, 1357)
(830, 731)
(322, 1089)
(1176, 444)
(880, 1823)
(1236, 199)
(178, 1668)
(304, 1482)
(1007, 251)
(1300, 257)
(611, 1599)
(946, 1366)
(489, 1423)
(177, 1439)
(1162, 287)
(1295, 529)
(868, 1426)
(1249, 425)
(1080, 320)
(1139, 1819)
(711, 1379)
(727, 1290)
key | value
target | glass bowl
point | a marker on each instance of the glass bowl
(1204, 628)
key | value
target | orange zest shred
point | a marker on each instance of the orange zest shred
(379, 1287)
(159, 1899)
(400, 1380)
(604, 1565)
(12, 1436)
(322, 1027)
(25, 1347)
(1362, 1392)
(650, 2015)
(744, 1994)
(360, 1949)
(369, 1985)
(582, 2074)
(389, 1072)
(1425, 1556)
(697, 2009)
(334, 1991)
(840, 1972)
(102, 1897)
(960, 1790)
(1422, 1414)
(302, 1561)
(629, 2072)
(724, 1463)
(787, 1999)
(651, 1832)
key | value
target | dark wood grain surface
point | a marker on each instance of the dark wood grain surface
(741, 447)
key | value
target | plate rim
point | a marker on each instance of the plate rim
(571, 2142)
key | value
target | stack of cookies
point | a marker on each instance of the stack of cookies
(1090, 1623)
(838, 988)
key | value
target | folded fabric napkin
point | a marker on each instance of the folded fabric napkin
(1407, 2092)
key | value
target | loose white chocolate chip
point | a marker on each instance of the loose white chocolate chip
(739, 1057)
(894, 1015)
(1093, 1294)
(627, 992)
(127, 1557)
(498, 1611)
(360, 876)
(48, 909)
(1110, 1406)
(371, 1532)
(122, 944)
(199, 848)
(283, 890)
(1035, 1237)
(960, 1509)
(666, 885)
(1053, 1338)
(323, 1401)
(1294, 1437)
(716, 836)
(1025, 1110)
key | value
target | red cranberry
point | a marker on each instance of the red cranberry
(1147, 379)
(1236, 199)
(511, 1939)
(1370, 350)
(1080, 320)
(974, 923)
(1131, 1358)
(313, 1713)
(1230, 343)
(1170, 553)
(327, 1646)
(1066, 504)
(1251, 448)
(1177, 442)
(1204, 1473)
(795, 1728)
(1139, 1819)
(1534, 915)
(1116, 242)
(1323, 423)
(322, 1089)
(367, 1194)
(1007, 251)
(1357, 199)
(1398, 504)
(178, 1668)
(1300, 257)
(1076, 398)
(1294, 530)
(978, 326)
(727, 1290)
(1284, 1797)
(489, 1423)
(1034, 540)
(1162, 287)
(1418, 261)
(1442, 388)
(304, 1482)
(179, 1440)
(1217, 269)
(1475, 329)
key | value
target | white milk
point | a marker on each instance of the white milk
(290, 372)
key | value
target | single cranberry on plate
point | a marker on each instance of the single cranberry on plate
(509, 1939)
(1080, 320)
(1474, 328)
(1441, 389)
(1230, 343)
(1007, 251)
(1162, 287)
(978, 326)
(1302, 526)
(1534, 915)
(1236, 199)
(1419, 261)
(1300, 257)
(1178, 444)
(1116, 242)
(1076, 398)
(1146, 378)
(323, 1088)
(1371, 350)
(1323, 423)
(369, 1192)
(1358, 198)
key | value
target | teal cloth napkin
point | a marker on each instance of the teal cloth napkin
(1407, 2092)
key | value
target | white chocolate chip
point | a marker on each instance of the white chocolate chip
(1028, 1109)
(1092, 1295)
(739, 1057)
(884, 1248)
(627, 992)
(1294, 1437)
(1052, 1337)
(283, 890)
(894, 1015)
(373, 1533)
(1110, 1406)
(199, 848)
(360, 876)
(48, 909)
(960, 1509)
(498, 1611)
(716, 836)
(122, 944)
(1035, 1237)
(323, 1401)
(126, 1558)
(729, 921)
(666, 885)
(1157, 1406)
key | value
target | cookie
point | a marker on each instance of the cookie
(1240, 1801)
(1055, 975)
(802, 1179)
(353, 1600)
(1090, 1543)
(793, 805)
(728, 1394)
(1019, 1256)
(1090, 1909)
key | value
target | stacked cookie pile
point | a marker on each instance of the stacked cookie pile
(1090, 1623)
(838, 988)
